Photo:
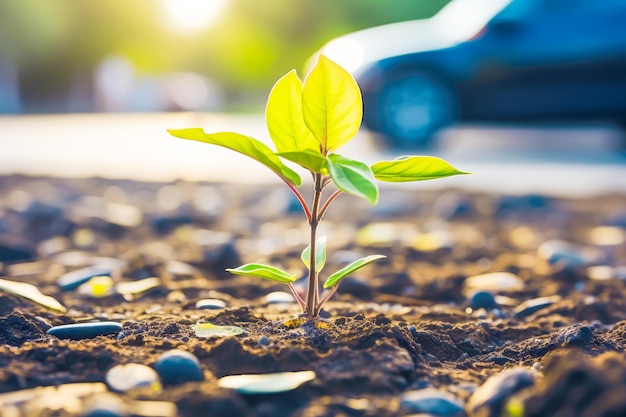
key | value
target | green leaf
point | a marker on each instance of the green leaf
(354, 266)
(263, 271)
(414, 168)
(332, 104)
(320, 254)
(307, 158)
(246, 145)
(284, 118)
(353, 177)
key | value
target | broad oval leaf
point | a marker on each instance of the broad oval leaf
(284, 118)
(263, 271)
(306, 158)
(353, 177)
(320, 254)
(331, 105)
(354, 266)
(414, 168)
(245, 145)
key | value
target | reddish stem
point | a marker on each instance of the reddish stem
(325, 206)
(297, 296)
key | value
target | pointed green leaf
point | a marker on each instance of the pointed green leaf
(414, 168)
(353, 177)
(320, 254)
(354, 266)
(284, 118)
(307, 158)
(332, 104)
(263, 271)
(246, 145)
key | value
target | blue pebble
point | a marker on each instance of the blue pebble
(482, 299)
(85, 330)
(178, 366)
(264, 341)
(75, 279)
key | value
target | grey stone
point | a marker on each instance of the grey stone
(85, 330)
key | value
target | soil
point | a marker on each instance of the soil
(397, 326)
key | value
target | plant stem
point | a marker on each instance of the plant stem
(312, 295)
(327, 203)
(295, 293)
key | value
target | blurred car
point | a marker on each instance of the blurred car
(490, 60)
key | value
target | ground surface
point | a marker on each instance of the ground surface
(393, 329)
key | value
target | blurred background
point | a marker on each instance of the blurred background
(160, 55)
(530, 94)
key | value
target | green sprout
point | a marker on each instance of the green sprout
(307, 123)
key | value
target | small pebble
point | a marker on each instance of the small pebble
(279, 297)
(266, 383)
(489, 398)
(494, 282)
(210, 304)
(564, 253)
(482, 299)
(178, 366)
(432, 401)
(264, 341)
(132, 375)
(529, 307)
(85, 330)
(74, 279)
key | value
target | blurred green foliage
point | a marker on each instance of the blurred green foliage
(54, 42)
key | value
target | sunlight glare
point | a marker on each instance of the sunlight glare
(191, 16)
(346, 52)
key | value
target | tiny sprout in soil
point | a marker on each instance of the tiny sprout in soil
(308, 122)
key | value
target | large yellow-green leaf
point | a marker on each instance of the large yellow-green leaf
(263, 271)
(414, 168)
(245, 145)
(320, 254)
(331, 105)
(353, 177)
(354, 266)
(284, 118)
(307, 158)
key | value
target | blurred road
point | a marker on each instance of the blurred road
(553, 160)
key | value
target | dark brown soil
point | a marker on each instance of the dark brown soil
(397, 326)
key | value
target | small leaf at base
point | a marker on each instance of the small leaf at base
(354, 266)
(263, 271)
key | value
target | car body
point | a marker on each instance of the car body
(490, 60)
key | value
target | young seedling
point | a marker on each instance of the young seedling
(308, 122)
